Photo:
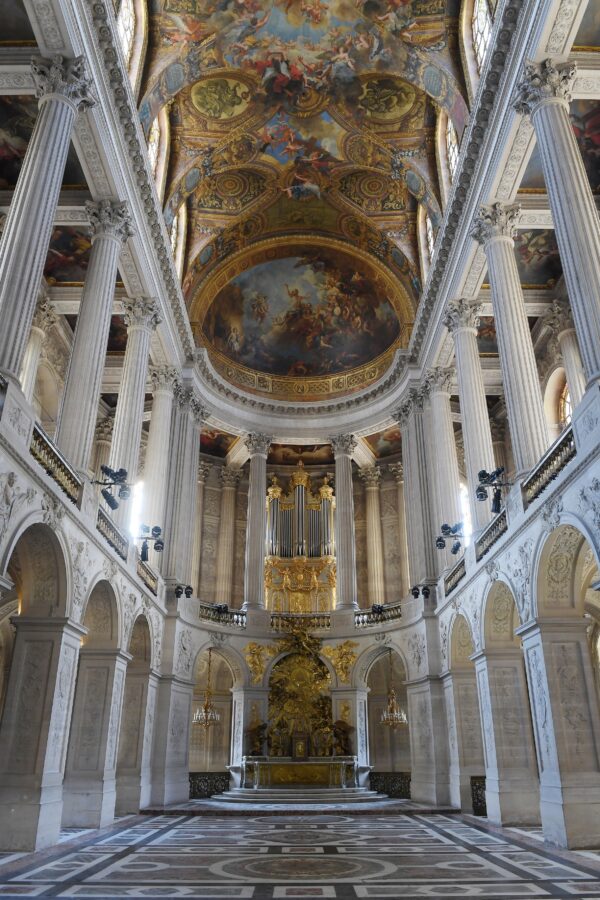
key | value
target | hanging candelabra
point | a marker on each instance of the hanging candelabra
(206, 715)
(393, 715)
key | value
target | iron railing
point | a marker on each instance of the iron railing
(53, 462)
(550, 465)
(111, 534)
(455, 576)
(491, 533)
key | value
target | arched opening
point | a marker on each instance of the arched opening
(46, 397)
(557, 403)
(137, 724)
(39, 693)
(512, 783)
(90, 784)
(389, 745)
(467, 767)
(563, 687)
(210, 745)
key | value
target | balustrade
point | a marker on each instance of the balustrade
(488, 537)
(210, 613)
(111, 534)
(148, 576)
(312, 622)
(368, 617)
(53, 462)
(455, 576)
(550, 465)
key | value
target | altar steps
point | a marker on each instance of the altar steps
(303, 794)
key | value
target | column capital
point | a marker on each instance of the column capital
(258, 444)
(110, 218)
(496, 221)
(559, 318)
(44, 317)
(142, 312)
(371, 476)
(397, 470)
(404, 411)
(104, 429)
(164, 378)
(462, 313)
(64, 78)
(544, 82)
(204, 470)
(199, 412)
(230, 476)
(343, 444)
(439, 379)
(419, 395)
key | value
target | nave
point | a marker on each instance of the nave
(270, 857)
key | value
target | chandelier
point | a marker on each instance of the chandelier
(393, 715)
(206, 715)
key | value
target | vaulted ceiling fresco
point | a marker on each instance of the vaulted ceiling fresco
(292, 118)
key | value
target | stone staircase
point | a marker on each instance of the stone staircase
(303, 794)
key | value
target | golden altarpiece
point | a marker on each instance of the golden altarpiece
(300, 573)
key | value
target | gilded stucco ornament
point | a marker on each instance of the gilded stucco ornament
(342, 658)
(257, 656)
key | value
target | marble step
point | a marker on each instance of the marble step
(299, 794)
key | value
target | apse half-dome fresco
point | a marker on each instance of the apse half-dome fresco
(302, 317)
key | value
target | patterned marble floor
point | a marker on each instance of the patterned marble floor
(276, 857)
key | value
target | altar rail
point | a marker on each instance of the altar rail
(550, 465)
(311, 621)
(210, 613)
(368, 617)
(111, 534)
(491, 533)
(53, 462)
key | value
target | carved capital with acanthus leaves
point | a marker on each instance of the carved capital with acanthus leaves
(499, 220)
(462, 314)
(544, 82)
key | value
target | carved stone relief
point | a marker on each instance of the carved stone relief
(12, 497)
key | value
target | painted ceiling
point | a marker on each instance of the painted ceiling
(298, 119)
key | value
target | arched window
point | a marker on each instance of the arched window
(565, 407)
(154, 144)
(126, 28)
(429, 236)
(481, 24)
(451, 147)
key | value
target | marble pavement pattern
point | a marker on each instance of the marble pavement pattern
(269, 857)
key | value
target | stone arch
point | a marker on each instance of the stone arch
(101, 616)
(561, 568)
(552, 388)
(233, 658)
(389, 748)
(369, 657)
(461, 644)
(500, 617)
(139, 645)
(36, 561)
(209, 748)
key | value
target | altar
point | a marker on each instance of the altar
(267, 772)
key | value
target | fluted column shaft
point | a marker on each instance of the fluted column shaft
(156, 469)
(397, 470)
(444, 458)
(494, 228)
(225, 550)
(181, 490)
(345, 542)
(77, 421)
(62, 90)
(103, 440)
(371, 477)
(141, 317)
(462, 318)
(203, 473)
(559, 320)
(544, 94)
(256, 527)
(420, 530)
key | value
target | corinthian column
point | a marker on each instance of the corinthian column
(371, 477)
(560, 322)
(141, 317)
(203, 473)
(230, 478)
(345, 542)
(461, 320)
(156, 469)
(43, 320)
(544, 94)
(63, 90)
(256, 528)
(443, 440)
(494, 228)
(110, 229)
(397, 470)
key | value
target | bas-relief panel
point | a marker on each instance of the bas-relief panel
(470, 724)
(68, 255)
(302, 316)
(385, 443)
(538, 259)
(17, 119)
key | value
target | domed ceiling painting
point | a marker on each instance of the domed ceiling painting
(293, 120)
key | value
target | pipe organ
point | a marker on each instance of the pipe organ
(300, 553)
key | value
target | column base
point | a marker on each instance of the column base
(172, 786)
(89, 804)
(133, 794)
(461, 796)
(512, 802)
(30, 819)
(571, 817)
(427, 788)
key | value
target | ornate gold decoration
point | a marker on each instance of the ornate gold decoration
(275, 491)
(300, 585)
(393, 715)
(300, 476)
(207, 715)
(256, 658)
(326, 491)
(342, 658)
